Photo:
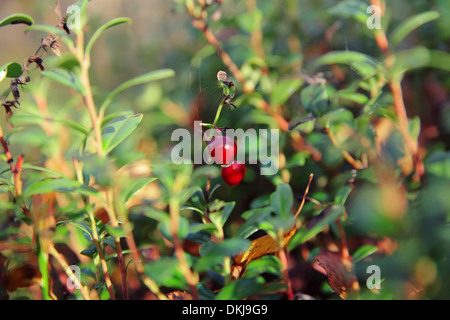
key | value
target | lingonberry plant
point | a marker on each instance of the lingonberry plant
(93, 207)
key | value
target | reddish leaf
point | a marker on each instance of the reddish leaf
(339, 273)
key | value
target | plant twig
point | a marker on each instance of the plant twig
(191, 278)
(60, 258)
(16, 169)
(104, 266)
(136, 256)
(304, 196)
(115, 224)
(399, 104)
(285, 270)
(88, 99)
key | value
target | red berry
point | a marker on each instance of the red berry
(223, 149)
(234, 173)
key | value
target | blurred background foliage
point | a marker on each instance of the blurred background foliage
(404, 222)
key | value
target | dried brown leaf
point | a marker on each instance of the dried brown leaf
(259, 247)
(339, 272)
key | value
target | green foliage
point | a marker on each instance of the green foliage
(86, 151)
(17, 18)
(10, 70)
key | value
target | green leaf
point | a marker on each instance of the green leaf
(118, 129)
(89, 251)
(350, 95)
(438, 164)
(166, 228)
(219, 217)
(282, 200)
(155, 214)
(80, 225)
(244, 287)
(166, 272)
(363, 64)
(145, 78)
(315, 99)
(414, 128)
(342, 195)
(300, 121)
(59, 185)
(410, 25)
(439, 60)
(37, 119)
(284, 89)
(250, 21)
(27, 166)
(253, 217)
(216, 253)
(99, 31)
(265, 264)
(363, 252)
(10, 70)
(67, 61)
(65, 78)
(117, 232)
(17, 18)
(420, 57)
(73, 125)
(273, 225)
(205, 293)
(356, 10)
(200, 227)
(327, 216)
(192, 208)
(136, 187)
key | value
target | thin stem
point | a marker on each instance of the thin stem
(16, 169)
(60, 258)
(191, 278)
(136, 256)
(201, 25)
(344, 248)
(399, 104)
(304, 196)
(104, 266)
(285, 270)
(44, 269)
(400, 110)
(115, 224)
(88, 98)
(219, 110)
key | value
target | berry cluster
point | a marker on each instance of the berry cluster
(223, 150)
